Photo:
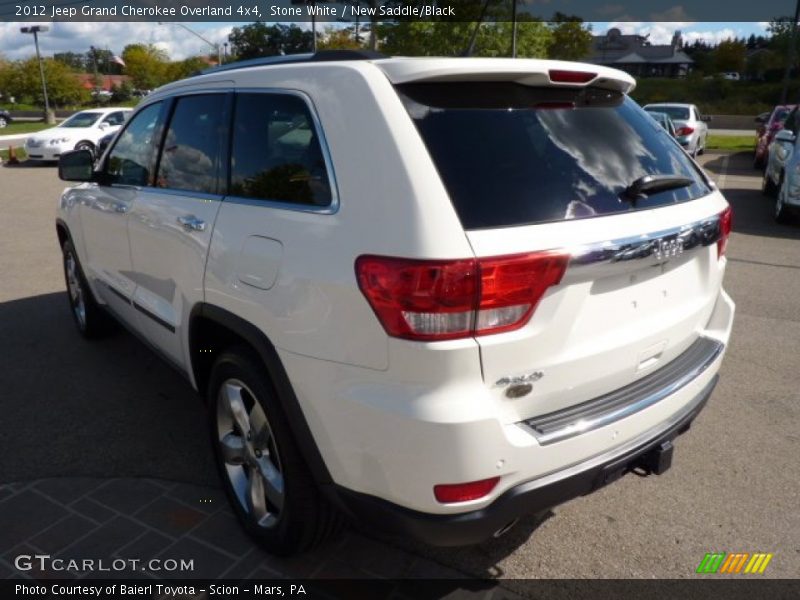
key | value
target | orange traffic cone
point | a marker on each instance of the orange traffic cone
(12, 155)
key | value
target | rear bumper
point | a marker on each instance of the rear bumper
(527, 498)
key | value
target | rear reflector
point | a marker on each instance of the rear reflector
(681, 131)
(463, 492)
(725, 227)
(557, 76)
(450, 299)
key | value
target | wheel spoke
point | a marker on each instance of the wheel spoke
(232, 449)
(256, 505)
(272, 481)
(234, 402)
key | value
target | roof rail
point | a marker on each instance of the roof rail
(321, 56)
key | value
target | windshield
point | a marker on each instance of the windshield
(780, 114)
(82, 119)
(674, 112)
(509, 154)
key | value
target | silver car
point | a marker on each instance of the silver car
(781, 177)
(691, 129)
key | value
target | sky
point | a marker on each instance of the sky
(179, 44)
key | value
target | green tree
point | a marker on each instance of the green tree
(730, 55)
(184, 68)
(146, 65)
(122, 92)
(74, 60)
(447, 38)
(338, 39)
(21, 79)
(571, 38)
(257, 39)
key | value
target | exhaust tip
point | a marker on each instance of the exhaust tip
(504, 529)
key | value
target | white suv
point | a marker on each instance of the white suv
(430, 294)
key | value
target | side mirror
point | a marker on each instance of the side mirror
(103, 125)
(785, 135)
(76, 165)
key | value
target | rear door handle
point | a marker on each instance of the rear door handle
(192, 223)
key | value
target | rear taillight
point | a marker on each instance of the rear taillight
(451, 299)
(685, 130)
(725, 226)
(463, 492)
(559, 76)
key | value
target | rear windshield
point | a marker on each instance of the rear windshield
(510, 154)
(84, 119)
(679, 113)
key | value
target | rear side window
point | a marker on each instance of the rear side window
(509, 154)
(276, 153)
(190, 152)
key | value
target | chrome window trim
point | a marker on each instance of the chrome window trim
(623, 255)
(331, 208)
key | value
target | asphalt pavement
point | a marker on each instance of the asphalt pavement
(113, 410)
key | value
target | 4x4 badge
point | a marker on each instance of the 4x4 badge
(527, 378)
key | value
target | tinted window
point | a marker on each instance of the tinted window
(131, 158)
(190, 152)
(276, 152)
(115, 118)
(510, 154)
(678, 113)
(84, 119)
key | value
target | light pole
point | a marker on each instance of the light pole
(216, 47)
(36, 30)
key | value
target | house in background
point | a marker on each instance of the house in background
(637, 56)
(104, 82)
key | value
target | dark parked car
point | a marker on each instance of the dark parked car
(766, 130)
(5, 118)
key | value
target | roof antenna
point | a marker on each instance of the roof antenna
(471, 48)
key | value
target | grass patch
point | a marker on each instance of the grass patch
(731, 142)
(23, 127)
(21, 154)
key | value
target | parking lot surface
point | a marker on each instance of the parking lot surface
(104, 449)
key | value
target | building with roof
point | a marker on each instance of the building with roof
(637, 56)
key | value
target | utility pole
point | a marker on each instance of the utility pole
(514, 28)
(36, 30)
(790, 58)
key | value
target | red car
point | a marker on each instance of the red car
(766, 130)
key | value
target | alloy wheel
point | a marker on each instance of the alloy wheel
(248, 449)
(75, 289)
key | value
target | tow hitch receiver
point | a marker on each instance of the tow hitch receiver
(657, 460)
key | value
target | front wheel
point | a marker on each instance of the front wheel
(781, 211)
(264, 475)
(85, 146)
(768, 187)
(91, 320)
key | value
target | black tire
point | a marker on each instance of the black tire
(302, 518)
(85, 146)
(91, 320)
(782, 212)
(768, 187)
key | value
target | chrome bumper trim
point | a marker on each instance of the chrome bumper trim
(647, 391)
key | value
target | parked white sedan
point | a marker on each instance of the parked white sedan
(691, 128)
(81, 131)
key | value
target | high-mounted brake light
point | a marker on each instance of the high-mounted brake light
(463, 492)
(559, 76)
(725, 227)
(685, 130)
(450, 299)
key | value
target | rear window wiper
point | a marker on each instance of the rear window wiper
(651, 184)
